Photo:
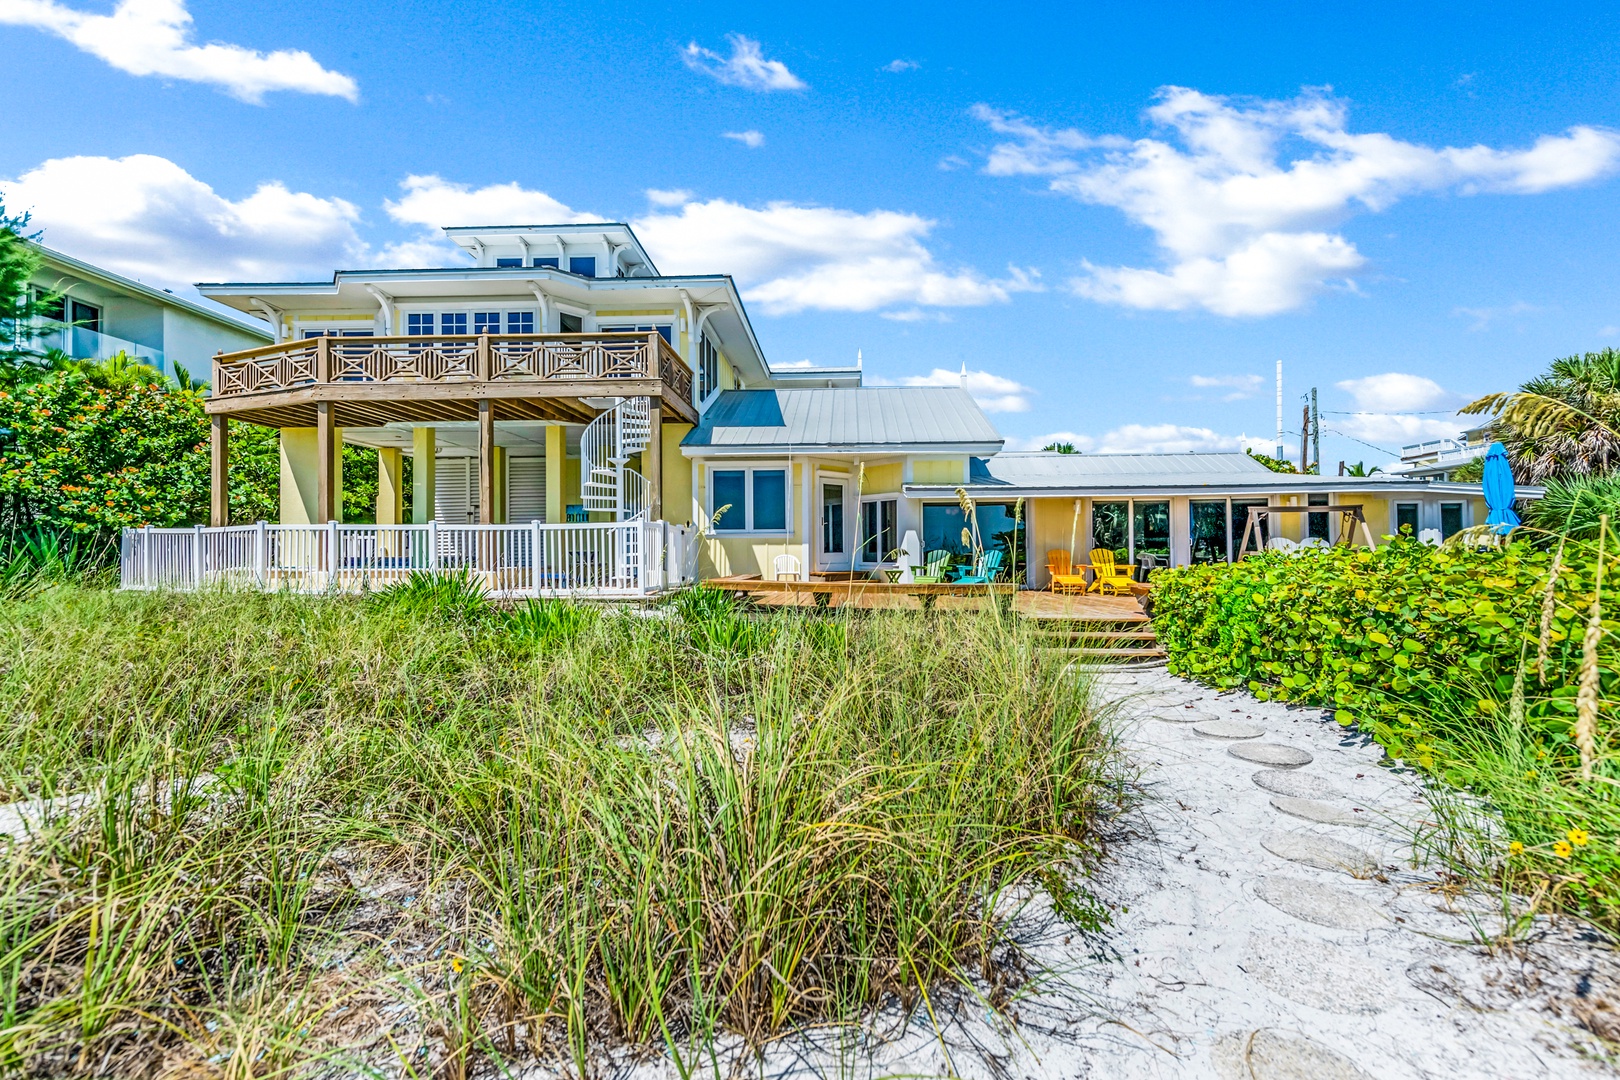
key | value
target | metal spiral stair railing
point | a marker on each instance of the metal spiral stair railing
(608, 483)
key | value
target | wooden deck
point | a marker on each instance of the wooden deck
(840, 590)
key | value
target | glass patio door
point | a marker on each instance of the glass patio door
(832, 541)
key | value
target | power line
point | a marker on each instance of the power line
(1399, 412)
(1363, 442)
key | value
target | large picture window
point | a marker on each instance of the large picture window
(999, 529)
(1209, 536)
(757, 500)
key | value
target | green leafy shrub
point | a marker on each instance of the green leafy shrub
(1422, 648)
(454, 596)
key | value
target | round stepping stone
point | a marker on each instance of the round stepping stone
(1324, 905)
(1183, 716)
(1321, 974)
(1320, 812)
(1322, 852)
(1275, 755)
(1297, 785)
(1228, 729)
(1268, 1054)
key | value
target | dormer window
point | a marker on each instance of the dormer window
(550, 261)
(583, 265)
(508, 262)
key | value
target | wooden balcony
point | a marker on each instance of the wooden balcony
(371, 381)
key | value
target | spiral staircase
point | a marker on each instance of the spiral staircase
(608, 483)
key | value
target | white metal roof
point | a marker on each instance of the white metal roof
(895, 419)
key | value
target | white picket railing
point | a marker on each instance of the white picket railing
(607, 560)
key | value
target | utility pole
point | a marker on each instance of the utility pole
(1305, 439)
(1316, 433)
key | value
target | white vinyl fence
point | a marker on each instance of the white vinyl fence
(619, 559)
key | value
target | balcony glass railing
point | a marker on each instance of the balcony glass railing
(82, 343)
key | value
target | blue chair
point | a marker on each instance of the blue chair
(986, 571)
(576, 515)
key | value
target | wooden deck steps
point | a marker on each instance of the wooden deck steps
(1102, 641)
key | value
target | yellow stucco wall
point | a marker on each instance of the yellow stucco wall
(424, 474)
(300, 477)
(939, 470)
(882, 479)
(1049, 525)
(677, 476)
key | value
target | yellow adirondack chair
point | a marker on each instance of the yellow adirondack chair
(1064, 577)
(1110, 578)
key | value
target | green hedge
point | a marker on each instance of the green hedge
(1395, 640)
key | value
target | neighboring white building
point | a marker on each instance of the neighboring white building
(103, 313)
(1438, 458)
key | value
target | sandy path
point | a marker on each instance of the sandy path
(1249, 942)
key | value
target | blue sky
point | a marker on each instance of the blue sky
(1117, 221)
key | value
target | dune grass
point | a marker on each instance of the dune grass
(412, 835)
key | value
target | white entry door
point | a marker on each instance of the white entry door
(833, 520)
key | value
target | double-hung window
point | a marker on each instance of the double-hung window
(755, 500)
(519, 322)
(453, 322)
(419, 323)
(486, 322)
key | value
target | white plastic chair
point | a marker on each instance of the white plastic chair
(785, 568)
(1314, 543)
(1281, 543)
(1431, 537)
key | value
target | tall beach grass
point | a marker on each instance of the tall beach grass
(411, 835)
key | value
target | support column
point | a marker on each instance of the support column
(486, 462)
(653, 459)
(500, 486)
(390, 490)
(556, 454)
(424, 474)
(326, 451)
(219, 502)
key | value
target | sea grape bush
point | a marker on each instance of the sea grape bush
(1396, 640)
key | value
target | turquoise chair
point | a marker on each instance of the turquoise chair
(988, 569)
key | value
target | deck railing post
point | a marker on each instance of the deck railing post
(333, 550)
(534, 556)
(146, 557)
(261, 553)
(196, 556)
(433, 545)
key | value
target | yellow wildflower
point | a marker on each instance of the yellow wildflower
(1578, 837)
(1562, 850)
(1516, 848)
(456, 964)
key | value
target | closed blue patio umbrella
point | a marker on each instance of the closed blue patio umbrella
(1498, 484)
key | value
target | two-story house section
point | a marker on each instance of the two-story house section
(95, 313)
(551, 380)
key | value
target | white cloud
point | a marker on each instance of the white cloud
(745, 67)
(1237, 194)
(896, 67)
(787, 257)
(750, 138)
(1145, 439)
(1483, 316)
(1609, 331)
(1238, 387)
(153, 37)
(1394, 391)
(670, 197)
(146, 217)
(1386, 406)
(437, 203)
(994, 393)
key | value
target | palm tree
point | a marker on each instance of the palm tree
(1059, 448)
(1360, 469)
(1563, 423)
